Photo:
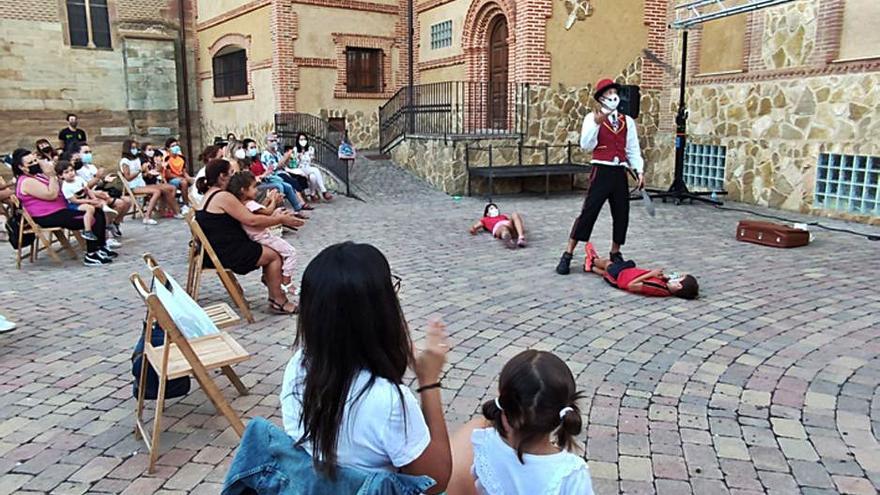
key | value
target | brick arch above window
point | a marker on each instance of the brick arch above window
(225, 45)
(475, 35)
(235, 39)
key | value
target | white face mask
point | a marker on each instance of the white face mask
(239, 154)
(610, 102)
(493, 212)
(303, 142)
(150, 153)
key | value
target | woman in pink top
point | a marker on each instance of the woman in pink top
(39, 191)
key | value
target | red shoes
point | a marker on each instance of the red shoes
(591, 255)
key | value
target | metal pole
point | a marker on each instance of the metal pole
(410, 87)
(681, 117)
(187, 122)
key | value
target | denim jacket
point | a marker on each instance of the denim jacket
(269, 462)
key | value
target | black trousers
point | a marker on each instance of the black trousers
(70, 219)
(297, 182)
(607, 183)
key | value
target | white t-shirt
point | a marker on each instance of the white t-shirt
(70, 189)
(373, 434)
(88, 171)
(498, 470)
(134, 167)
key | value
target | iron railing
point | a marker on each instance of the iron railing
(321, 136)
(455, 108)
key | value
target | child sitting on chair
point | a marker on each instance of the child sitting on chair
(510, 230)
(626, 276)
(244, 186)
(80, 197)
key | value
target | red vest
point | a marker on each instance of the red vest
(611, 143)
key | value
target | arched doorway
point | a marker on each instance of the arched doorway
(498, 49)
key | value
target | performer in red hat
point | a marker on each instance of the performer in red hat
(612, 138)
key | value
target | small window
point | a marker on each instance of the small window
(441, 35)
(85, 14)
(704, 166)
(849, 183)
(230, 72)
(363, 70)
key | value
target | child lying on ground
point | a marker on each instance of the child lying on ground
(510, 230)
(244, 186)
(625, 275)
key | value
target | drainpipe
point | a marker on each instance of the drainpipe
(185, 76)
(409, 91)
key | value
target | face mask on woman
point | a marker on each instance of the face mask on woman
(35, 169)
(303, 142)
(252, 152)
(610, 102)
(150, 153)
(46, 150)
(133, 151)
(86, 158)
(175, 149)
(240, 154)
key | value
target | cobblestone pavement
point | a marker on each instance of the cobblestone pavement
(766, 384)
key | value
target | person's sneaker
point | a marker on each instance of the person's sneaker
(179, 216)
(616, 257)
(92, 259)
(113, 244)
(184, 210)
(6, 325)
(109, 210)
(114, 230)
(591, 256)
(89, 235)
(150, 221)
(107, 252)
(564, 266)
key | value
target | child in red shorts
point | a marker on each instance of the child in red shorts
(627, 276)
(510, 229)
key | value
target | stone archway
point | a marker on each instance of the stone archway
(475, 35)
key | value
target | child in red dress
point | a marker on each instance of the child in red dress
(626, 276)
(510, 229)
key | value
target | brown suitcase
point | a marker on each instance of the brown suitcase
(771, 234)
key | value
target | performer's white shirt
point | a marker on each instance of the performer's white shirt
(590, 138)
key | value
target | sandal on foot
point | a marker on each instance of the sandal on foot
(521, 242)
(278, 309)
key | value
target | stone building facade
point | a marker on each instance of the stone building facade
(783, 91)
(122, 76)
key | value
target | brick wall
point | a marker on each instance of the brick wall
(284, 69)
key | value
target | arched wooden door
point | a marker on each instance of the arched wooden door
(498, 66)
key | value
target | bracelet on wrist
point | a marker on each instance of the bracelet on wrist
(424, 388)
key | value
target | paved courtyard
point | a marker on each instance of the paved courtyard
(766, 384)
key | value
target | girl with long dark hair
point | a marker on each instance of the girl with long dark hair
(132, 170)
(305, 155)
(343, 398)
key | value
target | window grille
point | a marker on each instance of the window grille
(441, 35)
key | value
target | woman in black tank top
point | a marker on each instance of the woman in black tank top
(221, 217)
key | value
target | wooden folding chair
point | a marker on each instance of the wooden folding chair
(135, 198)
(198, 248)
(221, 314)
(44, 237)
(179, 357)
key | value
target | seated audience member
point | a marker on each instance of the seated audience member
(524, 441)
(103, 184)
(153, 164)
(266, 176)
(209, 154)
(221, 216)
(132, 172)
(176, 173)
(342, 397)
(626, 276)
(39, 191)
(44, 150)
(305, 157)
(79, 198)
(243, 186)
(508, 229)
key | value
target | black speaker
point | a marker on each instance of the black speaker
(630, 97)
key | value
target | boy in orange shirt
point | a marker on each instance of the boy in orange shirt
(175, 169)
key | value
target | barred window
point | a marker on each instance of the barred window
(230, 72)
(441, 35)
(88, 23)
